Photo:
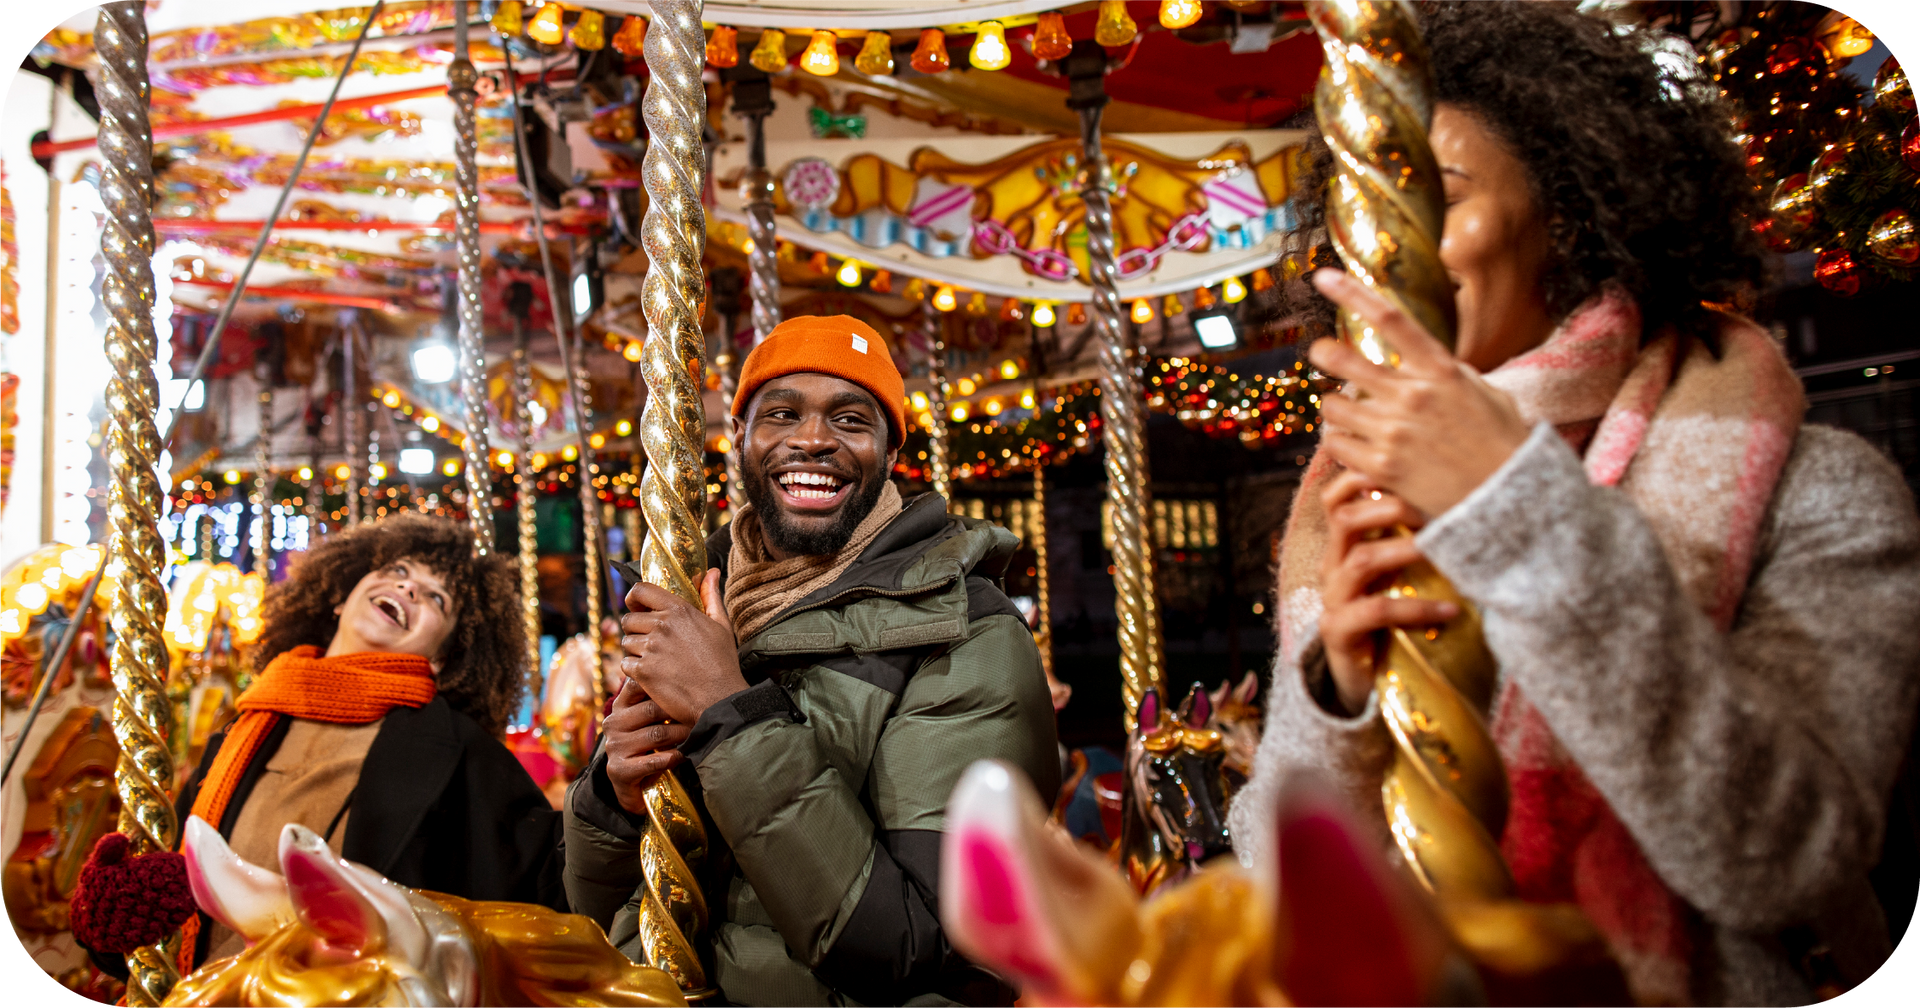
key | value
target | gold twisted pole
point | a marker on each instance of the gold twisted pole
(673, 431)
(461, 81)
(1042, 595)
(525, 500)
(350, 422)
(1446, 793)
(263, 481)
(1123, 425)
(142, 714)
(572, 358)
(939, 473)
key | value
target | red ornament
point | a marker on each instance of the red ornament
(1785, 56)
(1910, 147)
(1836, 272)
(122, 903)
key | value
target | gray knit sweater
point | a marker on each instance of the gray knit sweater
(1753, 767)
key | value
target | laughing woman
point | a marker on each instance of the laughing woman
(389, 666)
(1706, 613)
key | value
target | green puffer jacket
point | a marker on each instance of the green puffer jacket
(827, 779)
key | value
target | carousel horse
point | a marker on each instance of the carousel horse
(328, 931)
(1327, 921)
(1238, 722)
(1175, 814)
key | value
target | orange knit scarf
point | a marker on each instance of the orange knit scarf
(350, 689)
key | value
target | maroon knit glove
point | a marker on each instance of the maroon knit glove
(122, 903)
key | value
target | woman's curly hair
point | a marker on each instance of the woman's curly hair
(481, 673)
(1635, 171)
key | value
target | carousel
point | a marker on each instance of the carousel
(501, 261)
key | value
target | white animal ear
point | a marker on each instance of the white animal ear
(245, 897)
(1022, 900)
(324, 893)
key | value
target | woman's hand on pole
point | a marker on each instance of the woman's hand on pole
(1360, 557)
(1430, 430)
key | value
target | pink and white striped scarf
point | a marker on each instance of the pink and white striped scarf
(1697, 445)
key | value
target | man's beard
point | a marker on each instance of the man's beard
(785, 538)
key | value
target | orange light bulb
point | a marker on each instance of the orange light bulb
(546, 27)
(723, 47)
(944, 299)
(821, 58)
(1077, 313)
(1171, 306)
(507, 19)
(630, 41)
(1262, 280)
(930, 56)
(990, 50)
(1142, 311)
(1050, 38)
(1179, 13)
(590, 32)
(770, 55)
(977, 304)
(876, 55)
(1114, 27)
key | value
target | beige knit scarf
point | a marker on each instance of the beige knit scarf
(759, 588)
(1697, 444)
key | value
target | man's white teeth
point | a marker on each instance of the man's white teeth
(810, 486)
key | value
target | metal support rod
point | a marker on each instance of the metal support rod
(526, 495)
(350, 420)
(262, 502)
(934, 324)
(461, 81)
(592, 536)
(1123, 427)
(313, 496)
(763, 264)
(142, 712)
(1042, 607)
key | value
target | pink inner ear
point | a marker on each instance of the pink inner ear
(1346, 944)
(1202, 710)
(329, 904)
(1149, 711)
(1009, 936)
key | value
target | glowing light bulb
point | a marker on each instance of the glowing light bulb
(965, 385)
(1232, 291)
(306, 473)
(1009, 370)
(631, 351)
(32, 597)
(990, 50)
(882, 282)
(546, 27)
(1179, 13)
(959, 412)
(590, 32)
(569, 453)
(341, 472)
(231, 476)
(876, 55)
(392, 399)
(944, 299)
(1171, 306)
(1114, 27)
(723, 47)
(977, 304)
(919, 401)
(507, 19)
(598, 440)
(377, 471)
(1010, 310)
(849, 275)
(821, 58)
(1077, 313)
(1050, 38)
(539, 461)
(930, 56)
(630, 41)
(1043, 315)
(450, 468)
(993, 407)
(1262, 280)
(1142, 311)
(770, 54)
(1203, 298)
(1026, 399)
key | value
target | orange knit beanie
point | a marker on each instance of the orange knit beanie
(837, 345)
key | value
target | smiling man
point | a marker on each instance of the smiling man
(853, 656)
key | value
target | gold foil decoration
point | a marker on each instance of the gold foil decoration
(142, 712)
(673, 432)
(1446, 793)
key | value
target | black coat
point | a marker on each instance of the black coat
(441, 805)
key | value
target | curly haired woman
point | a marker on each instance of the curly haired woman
(387, 669)
(1706, 613)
